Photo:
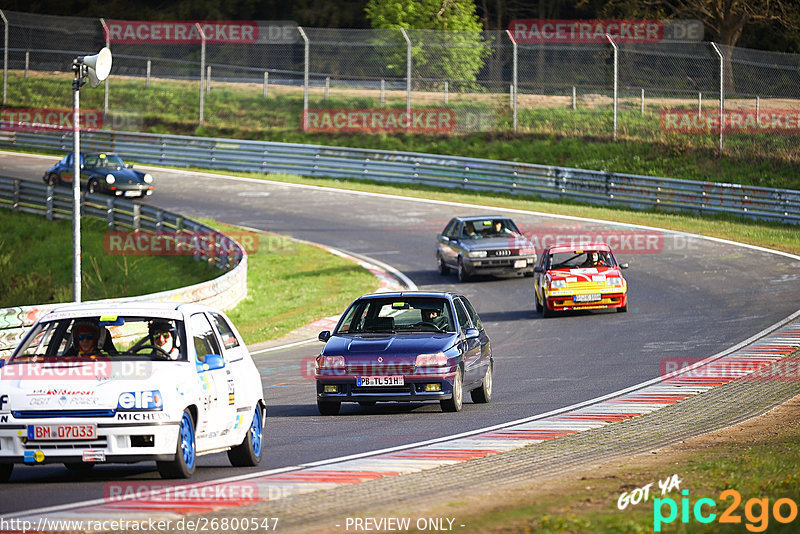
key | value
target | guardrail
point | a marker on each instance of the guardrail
(205, 244)
(549, 182)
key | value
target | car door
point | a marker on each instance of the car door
(539, 278)
(67, 168)
(215, 413)
(483, 339)
(448, 241)
(470, 348)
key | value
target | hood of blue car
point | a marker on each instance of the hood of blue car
(389, 344)
(124, 176)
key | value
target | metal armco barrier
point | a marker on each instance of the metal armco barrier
(56, 203)
(548, 182)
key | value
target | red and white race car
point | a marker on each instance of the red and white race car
(582, 277)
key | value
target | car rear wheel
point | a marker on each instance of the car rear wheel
(328, 408)
(536, 300)
(463, 275)
(455, 403)
(92, 187)
(5, 472)
(443, 268)
(248, 453)
(185, 453)
(483, 394)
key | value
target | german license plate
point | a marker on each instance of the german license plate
(132, 193)
(586, 298)
(377, 381)
(62, 432)
(520, 264)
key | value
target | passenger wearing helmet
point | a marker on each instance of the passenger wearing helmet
(90, 339)
(162, 334)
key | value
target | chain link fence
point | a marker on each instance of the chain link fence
(287, 78)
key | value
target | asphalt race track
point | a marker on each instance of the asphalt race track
(689, 298)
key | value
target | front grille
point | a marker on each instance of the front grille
(388, 390)
(499, 252)
(380, 369)
(99, 443)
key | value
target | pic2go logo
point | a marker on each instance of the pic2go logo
(140, 400)
(756, 511)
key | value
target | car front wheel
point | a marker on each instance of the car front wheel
(92, 187)
(52, 179)
(185, 453)
(455, 403)
(5, 472)
(463, 275)
(443, 268)
(248, 453)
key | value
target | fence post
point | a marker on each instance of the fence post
(208, 79)
(721, 96)
(27, 61)
(306, 59)
(266, 84)
(642, 100)
(758, 108)
(574, 98)
(147, 82)
(408, 74)
(5, 56)
(616, 78)
(15, 196)
(202, 69)
(446, 91)
(699, 103)
(327, 87)
(137, 217)
(383, 92)
(110, 213)
(514, 79)
(49, 203)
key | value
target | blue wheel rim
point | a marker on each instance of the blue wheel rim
(256, 432)
(187, 441)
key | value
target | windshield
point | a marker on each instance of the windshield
(103, 161)
(397, 315)
(578, 259)
(95, 337)
(485, 228)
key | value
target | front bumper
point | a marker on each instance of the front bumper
(499, 265)
(115, 443)
(563, 301)
(412, 390)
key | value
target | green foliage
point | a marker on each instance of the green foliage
(457, 55)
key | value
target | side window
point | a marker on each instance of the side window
(225, 332)
(473, 315)
(203, 337)
(461, 313)
(451, 230)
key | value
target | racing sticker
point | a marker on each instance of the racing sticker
(231, 393)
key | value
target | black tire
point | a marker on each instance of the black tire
(463, 275)
(328, 408)
(443, 268)
(546, 312)
(483, 394)
(536, 300)
(455, 403)
(53, 179)
(248, 453)
(623, 309)
(5, 472)
(185, 452)
(92, 187)
(82, 467)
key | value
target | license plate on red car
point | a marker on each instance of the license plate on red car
(378, 381)
(62, 432)
(587, 298)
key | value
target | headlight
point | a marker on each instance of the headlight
(556, 284)
(527, 251)
(477, 254)
(437, 359)
(110, 179)
(148, 179)
(614, 281)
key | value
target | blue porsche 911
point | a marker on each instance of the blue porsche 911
(405, 347)
(102, 172)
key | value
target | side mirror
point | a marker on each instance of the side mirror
(324, 336)
(210, 363)
(472, 333)
(623, 265)
(538, 269)
(444, 238)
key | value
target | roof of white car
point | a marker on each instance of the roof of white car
(140, 308)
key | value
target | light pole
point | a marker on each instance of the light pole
(96, 69)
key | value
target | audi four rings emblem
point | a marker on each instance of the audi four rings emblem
(503, 253)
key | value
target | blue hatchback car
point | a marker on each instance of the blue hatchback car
(405, 347)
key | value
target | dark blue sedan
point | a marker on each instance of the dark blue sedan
(405, 347)
(102, 172)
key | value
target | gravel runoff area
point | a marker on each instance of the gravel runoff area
(720, 407)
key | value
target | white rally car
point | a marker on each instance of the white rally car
(123, 383)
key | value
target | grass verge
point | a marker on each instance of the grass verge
(757, 459)
(42, 274)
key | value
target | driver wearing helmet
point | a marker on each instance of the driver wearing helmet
(162, 334)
